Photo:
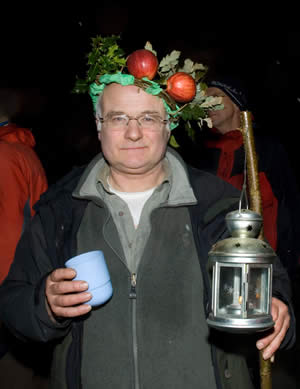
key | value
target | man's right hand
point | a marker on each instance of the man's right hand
(64, 297)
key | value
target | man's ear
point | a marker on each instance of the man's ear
(99, 135)
(98, 125)
(168, 134)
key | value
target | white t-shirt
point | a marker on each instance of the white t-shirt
(135, 201)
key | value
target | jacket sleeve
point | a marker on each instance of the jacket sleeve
(22, 294)
(282, 290)
(288, 217)
(283, 181)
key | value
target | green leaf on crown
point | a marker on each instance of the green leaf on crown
(193, 113)
(105, 57)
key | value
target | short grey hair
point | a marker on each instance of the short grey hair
(98, 114)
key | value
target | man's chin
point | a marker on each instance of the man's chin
(136, 167)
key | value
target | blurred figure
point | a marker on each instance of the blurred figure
(225, 157)
(22, 181)
(223, 154)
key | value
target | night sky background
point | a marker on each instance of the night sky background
(44, 47)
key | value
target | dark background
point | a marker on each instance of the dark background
(44, 47)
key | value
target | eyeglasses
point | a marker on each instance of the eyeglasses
(146, 121)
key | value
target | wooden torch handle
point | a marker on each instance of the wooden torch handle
(256, 206)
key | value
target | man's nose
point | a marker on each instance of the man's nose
(133, 130)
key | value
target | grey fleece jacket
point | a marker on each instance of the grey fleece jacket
(158, 332)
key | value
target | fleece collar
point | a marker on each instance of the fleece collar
(180, 193)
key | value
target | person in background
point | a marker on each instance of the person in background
(22, 181)
(223, 155)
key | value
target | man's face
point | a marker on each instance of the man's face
(223, 119)
(133, 149)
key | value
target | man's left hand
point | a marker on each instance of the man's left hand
(281, 317)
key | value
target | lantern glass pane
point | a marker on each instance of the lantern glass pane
(230, 291)
(258, 291)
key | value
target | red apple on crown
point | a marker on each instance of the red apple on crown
(182, 87)
(142, 63)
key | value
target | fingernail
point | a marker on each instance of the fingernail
(259, 345)
(86, 307)
(84, 284)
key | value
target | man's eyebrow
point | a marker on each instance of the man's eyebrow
(151, 112)
(110, 113)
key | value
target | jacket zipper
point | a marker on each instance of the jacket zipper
(132, 293)
(132, 296)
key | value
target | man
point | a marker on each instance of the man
(22, 181)
(152, 333)
(224, 155)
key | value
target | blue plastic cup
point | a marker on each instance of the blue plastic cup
(91, 267)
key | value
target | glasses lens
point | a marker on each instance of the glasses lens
(151, 122)
(118, 121)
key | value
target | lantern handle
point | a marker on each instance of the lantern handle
(244, 194)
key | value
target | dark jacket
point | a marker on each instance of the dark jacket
(53, 236)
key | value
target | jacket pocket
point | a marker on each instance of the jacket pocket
(234, 372)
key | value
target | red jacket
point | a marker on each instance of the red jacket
(22, 181)
(224, 156)
(228, 144)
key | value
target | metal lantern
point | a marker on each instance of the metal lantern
(241, 276)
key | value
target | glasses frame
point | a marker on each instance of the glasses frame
(137, 118)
